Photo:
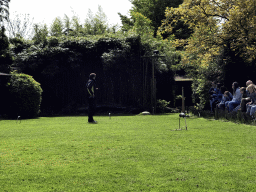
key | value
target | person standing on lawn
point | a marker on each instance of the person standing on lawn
(91, 88)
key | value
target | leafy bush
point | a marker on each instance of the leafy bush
(179, 97)
(162, 105)
(18, 44)
(24, 96)
(53, 41)
(200, 88)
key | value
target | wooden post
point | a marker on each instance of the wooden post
(153, 93)
(216, 113)
(155, 102)
(183, 101)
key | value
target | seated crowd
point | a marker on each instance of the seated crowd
(242, 98)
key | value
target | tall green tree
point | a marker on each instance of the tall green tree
(96, 24)
(67, 25)
(57, 27)
(77, 27)
(127, 23)
(40, 34)
(4, 10)
(154, 9)
(5, 62)
(224, 25)
(142, 25)
(5, 57)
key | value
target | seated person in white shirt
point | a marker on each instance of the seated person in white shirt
(230, 105)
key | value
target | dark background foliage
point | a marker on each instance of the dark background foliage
(64, 64)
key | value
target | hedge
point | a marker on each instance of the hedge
(25, 96)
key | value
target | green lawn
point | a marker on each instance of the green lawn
(126, 153)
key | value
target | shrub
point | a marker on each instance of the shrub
(200, 88)
(25, 95)
(53, 41)
(162, 105)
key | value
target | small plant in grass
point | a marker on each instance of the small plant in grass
(162, 105)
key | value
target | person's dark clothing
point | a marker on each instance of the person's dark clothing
(224, 99)
(91, 109)
(245, 99)
(91, 84)
(211, 91)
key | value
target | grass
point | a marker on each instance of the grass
(126, 153)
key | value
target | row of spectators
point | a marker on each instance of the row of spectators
(242, 98)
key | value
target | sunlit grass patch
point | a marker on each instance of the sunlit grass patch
(129, 153)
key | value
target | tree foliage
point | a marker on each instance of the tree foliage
(20, 26)
(40, 34)
(5, 57)
(154, 10)
(4, 10)
(5, 62)
(222, 46)
(142, 25)
(62, 56)
(57, 27)
(219, 26)
(96, 24)
(62, 67)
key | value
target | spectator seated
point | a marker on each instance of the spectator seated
(231, 105)
(216, 96)
(227, 96)
(251, 106)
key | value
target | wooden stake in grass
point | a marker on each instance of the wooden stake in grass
(182, 114)
(18, 118)
(183, 101)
